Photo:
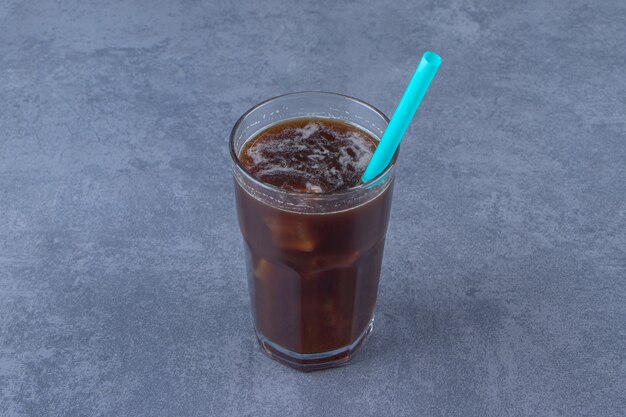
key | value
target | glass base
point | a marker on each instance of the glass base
(307, 362)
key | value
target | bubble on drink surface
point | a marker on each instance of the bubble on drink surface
(309, 155)
(308, 130)
(357, 154)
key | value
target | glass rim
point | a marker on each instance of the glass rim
(359, 187)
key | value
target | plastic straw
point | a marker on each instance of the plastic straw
(403, 115)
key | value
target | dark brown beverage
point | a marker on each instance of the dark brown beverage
(313, 274)
(309, 155)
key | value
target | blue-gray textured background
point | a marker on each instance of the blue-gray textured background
(122, 289)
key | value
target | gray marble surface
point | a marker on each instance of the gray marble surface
(122, 288)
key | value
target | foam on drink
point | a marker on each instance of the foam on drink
(309, 155)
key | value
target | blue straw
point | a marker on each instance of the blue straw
(403, 115)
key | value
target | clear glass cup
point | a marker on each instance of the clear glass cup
(313, 260)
